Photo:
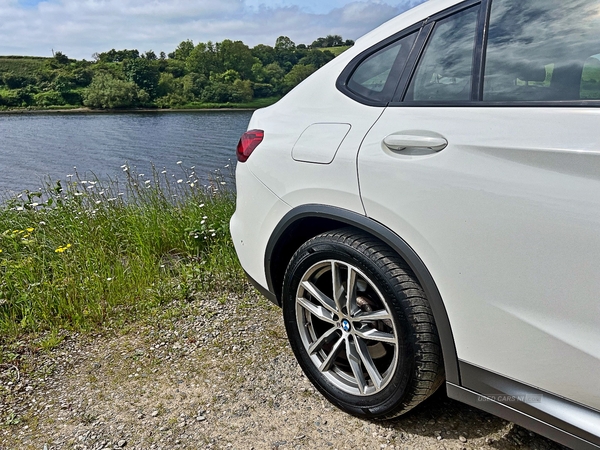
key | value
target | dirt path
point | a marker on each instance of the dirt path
(215, 373)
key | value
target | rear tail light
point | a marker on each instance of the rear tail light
(248, 142)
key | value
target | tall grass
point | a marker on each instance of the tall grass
(82, 252)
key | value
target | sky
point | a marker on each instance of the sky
(79, 28)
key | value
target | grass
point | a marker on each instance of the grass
(82, 254)
(21, 65)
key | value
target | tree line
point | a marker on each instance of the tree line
(207, 72)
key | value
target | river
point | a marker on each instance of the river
(36, 146)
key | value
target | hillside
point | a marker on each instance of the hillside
(337, 51)
(21, 65)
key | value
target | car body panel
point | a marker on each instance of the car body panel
(506, 218)
(256, 204)
(300, 182)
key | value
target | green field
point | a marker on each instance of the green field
(336, 50)
(21, 65)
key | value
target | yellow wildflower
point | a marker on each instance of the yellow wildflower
(62, 249)
(29, 230)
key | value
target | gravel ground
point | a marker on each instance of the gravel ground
(213, 373)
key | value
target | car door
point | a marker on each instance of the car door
(491, 173)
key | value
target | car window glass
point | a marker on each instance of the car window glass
(543, 50)
(372, 75)
(590, 79)
(444, 71)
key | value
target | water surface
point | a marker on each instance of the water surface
(40, 145)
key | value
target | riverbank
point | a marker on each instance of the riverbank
(191, 107)
(81, 255)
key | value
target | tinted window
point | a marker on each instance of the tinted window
(377, 76)
(590, 79)
(444, 71)
(543, 50)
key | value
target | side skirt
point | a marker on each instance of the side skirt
(568, 423)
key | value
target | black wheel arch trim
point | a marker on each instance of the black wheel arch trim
(386, 235)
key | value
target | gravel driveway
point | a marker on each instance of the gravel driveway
(214, 373)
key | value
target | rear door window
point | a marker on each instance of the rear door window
(543, 50)
(445, 69)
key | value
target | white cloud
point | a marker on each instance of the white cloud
(79, 28)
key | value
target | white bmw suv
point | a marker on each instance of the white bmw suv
(426, 210)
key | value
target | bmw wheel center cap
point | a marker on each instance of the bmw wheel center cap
(345, 325)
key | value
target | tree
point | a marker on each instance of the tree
(237, 56)
(316, 58)
(144, 73)
(106, 91)
(183, 50)
(116, 55)
(298, 74)
(150, 55)
(192, 85)
(284, 43)
(204, 59)
(318, 43)
(14, 81)
(334, 40)
(61, 58)
(265, 53)
(285, 53)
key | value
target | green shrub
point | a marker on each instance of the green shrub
(49, 98)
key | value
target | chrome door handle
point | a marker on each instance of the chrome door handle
(401, 142)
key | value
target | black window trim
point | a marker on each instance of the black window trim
(390, 87)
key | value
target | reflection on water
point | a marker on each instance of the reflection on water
(35, 146)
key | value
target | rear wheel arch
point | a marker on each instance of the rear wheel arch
(307, 221)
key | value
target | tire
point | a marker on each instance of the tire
(375, 355)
